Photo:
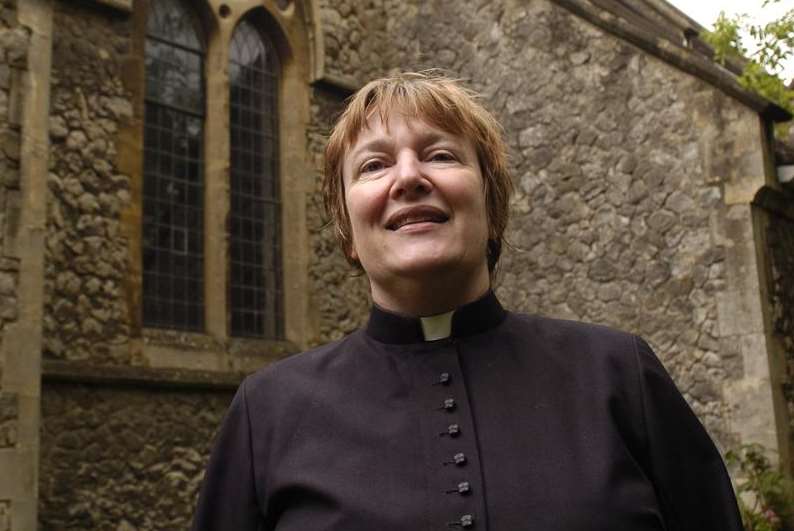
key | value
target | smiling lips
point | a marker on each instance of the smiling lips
(417, 214)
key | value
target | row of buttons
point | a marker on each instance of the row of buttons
(459, 459)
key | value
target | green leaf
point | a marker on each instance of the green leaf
(774, 44)
(771, 491)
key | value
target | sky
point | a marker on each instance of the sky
(705, 12)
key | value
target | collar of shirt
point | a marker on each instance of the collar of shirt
(435, 327)
(473, 318)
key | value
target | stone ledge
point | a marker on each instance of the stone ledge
(676, 55)
(56, 371)
(337, 83)
(125, 6)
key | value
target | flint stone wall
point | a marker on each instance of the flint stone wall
(363, 40)
(87, 256)
(125, 458)
(339, 296)
(14, 41)
(14, 44)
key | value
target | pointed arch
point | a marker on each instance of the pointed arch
(255, 295)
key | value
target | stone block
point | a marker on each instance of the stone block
(12, 213)
(5, 515)
(18, 467)
(15, 42)
(752, 411)
(9, 406)
(8, 283)
(58, 129)
(9, 144)
(729, 315)
(101, 448)
(755, 356)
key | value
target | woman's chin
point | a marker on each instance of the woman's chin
(435, 270)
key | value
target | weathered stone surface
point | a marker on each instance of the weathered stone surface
(84, 246)
(5, 515)
(14, 41)
(9, 415)
(115, 456)
(14, 44)
(338, 311)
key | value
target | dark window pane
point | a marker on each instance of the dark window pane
(255, 221)
(173, 209)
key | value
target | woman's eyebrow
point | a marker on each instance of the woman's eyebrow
(384, 144)
(434, 137)
(376, 144)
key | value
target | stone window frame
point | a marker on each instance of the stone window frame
(215, 349)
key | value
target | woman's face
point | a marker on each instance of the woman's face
(415, 198)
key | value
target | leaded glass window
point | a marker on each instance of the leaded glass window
(255, 289)
(173, 188)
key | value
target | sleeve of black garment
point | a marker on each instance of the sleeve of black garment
(228, 498)
(686, 468)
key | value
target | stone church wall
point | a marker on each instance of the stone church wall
(14, 42)
(124, 458)
(350, 29)
(13, 49)
(87, 254)
(340, 297)
(111, 458)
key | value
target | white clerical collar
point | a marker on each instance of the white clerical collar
(437, 326)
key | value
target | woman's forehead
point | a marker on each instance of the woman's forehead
(380, 135)
(383, 124)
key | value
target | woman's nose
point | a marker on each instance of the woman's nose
(410, 181)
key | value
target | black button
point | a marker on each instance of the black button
(449, 404)
(467, 520)
(458, 459)
(462, 488)
(444, 378)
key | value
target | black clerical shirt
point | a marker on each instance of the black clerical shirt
(513, 423)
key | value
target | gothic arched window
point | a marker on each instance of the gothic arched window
(255, 285)
(173, 183)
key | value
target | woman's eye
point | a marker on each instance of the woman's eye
(442, 156)
(373, 165)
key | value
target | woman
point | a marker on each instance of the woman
(446, 411)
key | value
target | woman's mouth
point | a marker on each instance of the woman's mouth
(415, 215)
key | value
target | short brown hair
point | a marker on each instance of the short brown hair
(444, 103)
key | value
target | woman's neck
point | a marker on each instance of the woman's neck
(433, 296)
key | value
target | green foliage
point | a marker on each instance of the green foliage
(774, 43)
(725, 39)
(766, 496)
